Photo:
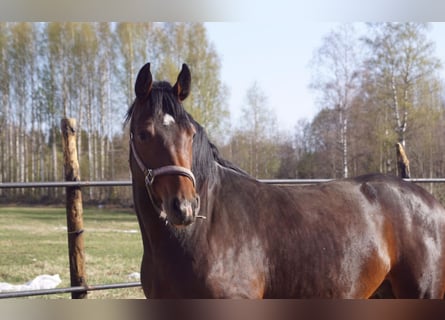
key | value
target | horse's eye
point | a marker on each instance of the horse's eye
(145, 132)
(143, 135)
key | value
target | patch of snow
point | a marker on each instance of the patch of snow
(134, 276)
(40, 282)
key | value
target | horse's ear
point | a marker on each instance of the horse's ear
(143, 83)
(182, 86)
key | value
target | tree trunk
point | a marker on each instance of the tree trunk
(55, 171)
(344, 140)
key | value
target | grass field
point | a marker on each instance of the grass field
(33, 241)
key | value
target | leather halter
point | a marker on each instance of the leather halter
(151, 174)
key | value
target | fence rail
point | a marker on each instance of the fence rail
(42, 292)
(64, 184)
(124, 183)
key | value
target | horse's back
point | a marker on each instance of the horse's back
(349, 235)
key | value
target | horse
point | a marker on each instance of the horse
(209, 230)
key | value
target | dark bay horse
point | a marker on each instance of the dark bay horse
(209, 230)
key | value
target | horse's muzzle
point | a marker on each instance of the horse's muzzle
(184, 211)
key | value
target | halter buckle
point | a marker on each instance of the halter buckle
(149, 177)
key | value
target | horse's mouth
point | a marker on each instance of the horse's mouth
(181, 213)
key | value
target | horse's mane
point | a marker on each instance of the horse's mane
(205, 153)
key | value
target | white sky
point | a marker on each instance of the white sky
(277, 56)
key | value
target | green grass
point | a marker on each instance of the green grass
(33, 241)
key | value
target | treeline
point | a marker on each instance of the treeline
(49, 71)
(376, 85)
(377, 88)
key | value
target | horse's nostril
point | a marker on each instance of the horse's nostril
(177, 204)
(183, 209)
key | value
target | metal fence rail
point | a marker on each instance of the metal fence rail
(42, 292)
(125, 183)
(60, 184)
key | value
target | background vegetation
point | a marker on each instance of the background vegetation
(376, 84)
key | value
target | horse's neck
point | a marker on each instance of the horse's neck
(211, 189)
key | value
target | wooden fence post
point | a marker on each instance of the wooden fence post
(74, 209)
(402, 162)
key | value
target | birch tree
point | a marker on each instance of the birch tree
(188, 43)
(5, 110)
(21, 62)
(58, 37)
(336, 66)
(400, 58)
(254, 145)
(86, 70)
(132, 41)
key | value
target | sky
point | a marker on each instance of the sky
(276, 55)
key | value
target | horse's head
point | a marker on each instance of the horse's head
(161, 138)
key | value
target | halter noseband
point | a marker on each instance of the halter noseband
(151, 174)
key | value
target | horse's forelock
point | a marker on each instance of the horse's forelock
(161, 101)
